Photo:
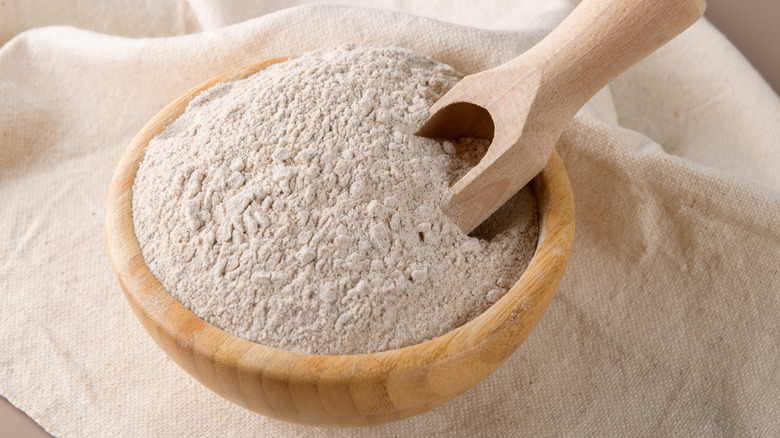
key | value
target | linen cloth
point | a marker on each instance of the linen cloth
(668, 318)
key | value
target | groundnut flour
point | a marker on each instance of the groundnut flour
(297, 209)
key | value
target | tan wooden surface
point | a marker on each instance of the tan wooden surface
(15, 423)
(525, 104)
(350, 390)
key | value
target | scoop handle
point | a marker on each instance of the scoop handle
(601, 39)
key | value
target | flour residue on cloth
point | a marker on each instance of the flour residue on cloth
(297, 209)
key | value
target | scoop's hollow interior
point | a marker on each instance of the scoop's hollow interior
(459, 119)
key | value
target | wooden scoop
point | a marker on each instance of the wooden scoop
(525, 104)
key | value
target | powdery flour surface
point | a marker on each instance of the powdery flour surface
(297, 209)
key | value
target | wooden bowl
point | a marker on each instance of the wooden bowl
(336, 390)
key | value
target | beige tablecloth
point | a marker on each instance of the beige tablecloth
(668, 319)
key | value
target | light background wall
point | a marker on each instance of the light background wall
(754, 27)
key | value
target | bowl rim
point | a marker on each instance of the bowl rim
(154, 305)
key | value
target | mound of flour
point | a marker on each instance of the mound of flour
(297, 209)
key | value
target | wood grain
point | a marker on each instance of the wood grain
(525, 104)
(333, 390)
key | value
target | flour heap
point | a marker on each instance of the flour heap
(296, 208)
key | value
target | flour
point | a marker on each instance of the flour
(297, 209)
